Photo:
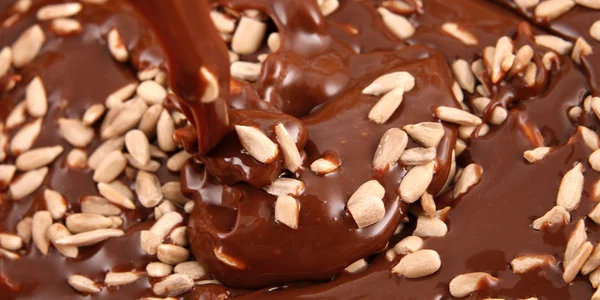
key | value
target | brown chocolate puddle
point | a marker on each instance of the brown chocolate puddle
(488, 226)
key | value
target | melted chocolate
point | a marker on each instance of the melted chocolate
(312, 85)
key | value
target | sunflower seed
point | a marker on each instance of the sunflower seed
(327, 7)
(397, 24)
(415, 182)
(507, 62)
(386, 83)
(383, 110)
(62, 10)
(188, 207)
(6, 58)
(366, 210)
(222, 22)
(55, 203)
(465, 284)
(589, 136)
(408, 245)
(581, 48)
(549, 60)
(324, 166)
(117, 46)
(192, 269)
(571, 186)
(457, 91)
(111, 167)
(163, 226)
(417, 156)
(83, 284)
(460, 34)
(536, 154)
(179, 236)
(7, 172)
(428, 204)
(127, 118)
(575, 265)
(557, 215)
(285, 186)
(575, 113)
(504, 47)
(594, 278)
(28, 45)
(522, 58)
(552, 9)
(148, 73)
(57, 231)
(357, 266)
(526, 263)
(138, 146)
(158, 269)
(10, 241)
(248, 36)
(27, 183)
(246, 70)
(172, 191)
(77, 159)
(39, 226)
(577, 238)
(149, 242)
(35, 97)
(287, 211)
(25, 137)
(594, 31)
(173, 285)
(150, 119)
(418, 264)
(554, 43)
(457, 116)
(17, 116)
(428, 134)
(370, 188)
(176, 162)
(430, 227)
(257, 143)
(390, 148)
(103, 150)
(151, 92)
(117, 97)
(65, 26)
(164, 131)
(593, 4)
(93, 114)
(152, 166)
(274, 41)
(595, 105)
(83, 222)
(121, 278)
(148, 189)
(115, 195)
(24, 229)
(40, 157)
(229, 260)
(470, 176)
(75, 132)
(525, 4)
(99, 205)
(89, 238)
(593, 262)
(463, 74)
(291, 155)
(172, 254)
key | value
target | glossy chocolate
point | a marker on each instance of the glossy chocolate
(313, 86)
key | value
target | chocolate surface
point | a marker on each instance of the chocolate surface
(312, 85)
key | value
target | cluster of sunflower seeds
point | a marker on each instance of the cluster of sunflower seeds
(138, 137)
(580, 255)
